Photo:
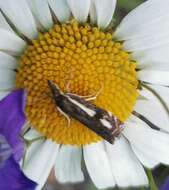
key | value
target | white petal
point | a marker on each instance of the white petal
(151, 106)
(3, 94)
(32, 149)
(40, 159)
(61, 9)
(162, 91)
(32, 134)
(4, 24)
(80, 9)
(19, 13)
(41, 12)
(10, 42)
(104, 11)
(7, 61)
(68, 164)
(151, 109)
(93, 15)
(148, 42)
(153, 21)
(126, 168)
(155, 58)
(7, 79)
(154, 77)
(145, 159)
(98, 165)
(152, 143)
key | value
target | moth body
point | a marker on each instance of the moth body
(95, 118)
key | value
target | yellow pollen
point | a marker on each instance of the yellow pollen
(82, 60)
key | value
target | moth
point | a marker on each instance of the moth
(100, 121)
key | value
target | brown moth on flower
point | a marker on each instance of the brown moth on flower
(102, 122)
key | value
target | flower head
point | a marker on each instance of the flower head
(12, 119)
(73, 44)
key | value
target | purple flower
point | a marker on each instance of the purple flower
(12, 119)
(165, 186)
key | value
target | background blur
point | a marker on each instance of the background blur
(123, 7)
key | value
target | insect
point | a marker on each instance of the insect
(95, 118)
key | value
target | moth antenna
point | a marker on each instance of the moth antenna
(93, 97)
(89, 97)
(145, 120)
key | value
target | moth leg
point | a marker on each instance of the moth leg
(65, 115)
(119, 128)
(87, 97)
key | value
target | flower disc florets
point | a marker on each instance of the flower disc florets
(83, 60)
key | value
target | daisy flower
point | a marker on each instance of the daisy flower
(12, 119)
(73, 44)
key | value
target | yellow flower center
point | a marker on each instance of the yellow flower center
(82, 60)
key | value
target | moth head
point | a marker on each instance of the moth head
(54, 89)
